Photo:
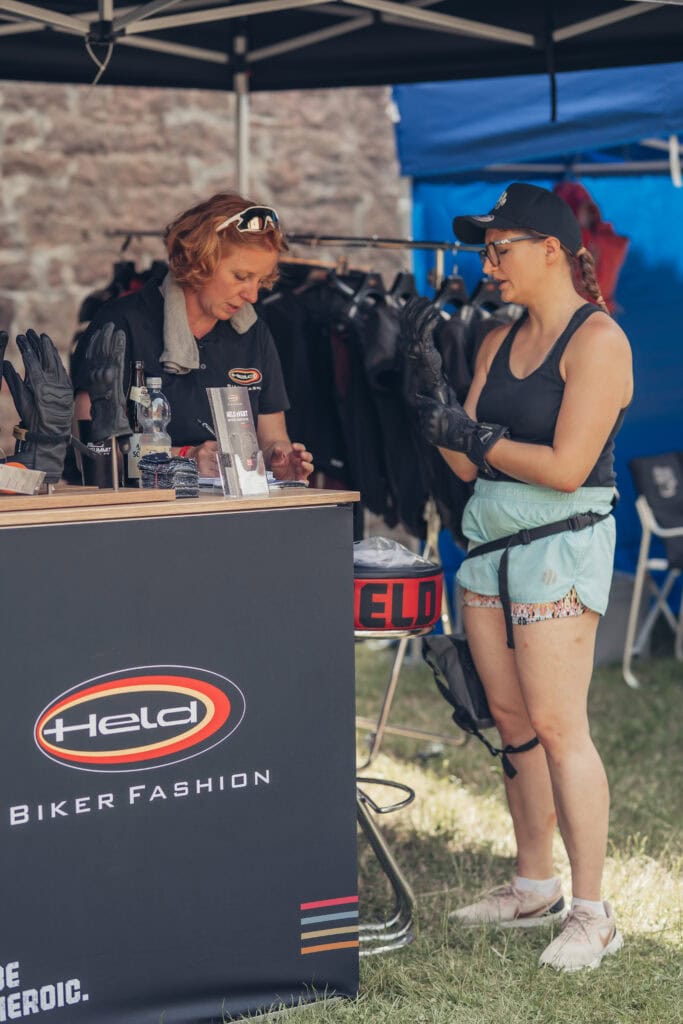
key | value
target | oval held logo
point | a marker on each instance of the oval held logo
(140, 718)
(245, 375)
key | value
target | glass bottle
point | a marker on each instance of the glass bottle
(137, 391)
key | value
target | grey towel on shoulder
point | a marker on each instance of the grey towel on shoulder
(180, 353)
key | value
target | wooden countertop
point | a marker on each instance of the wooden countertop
(84, 504)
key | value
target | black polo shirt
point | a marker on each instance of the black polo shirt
(225, 358)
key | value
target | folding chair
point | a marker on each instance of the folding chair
(658, 480)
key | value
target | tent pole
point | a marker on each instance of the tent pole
(675, 161)
(241, 86)
(405, 208)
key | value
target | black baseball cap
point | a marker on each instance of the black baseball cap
(524, 206)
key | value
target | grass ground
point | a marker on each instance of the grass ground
(455, 840)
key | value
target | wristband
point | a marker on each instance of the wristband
(182, 452)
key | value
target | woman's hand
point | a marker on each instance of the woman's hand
(290, 463)
(205, 457)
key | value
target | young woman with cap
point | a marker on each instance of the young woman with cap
(536, 433)
(198, 329)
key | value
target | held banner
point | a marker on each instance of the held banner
(177, 822)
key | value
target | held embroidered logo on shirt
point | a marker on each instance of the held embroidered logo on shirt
(329, 924)
(139, 718)
(245, 375)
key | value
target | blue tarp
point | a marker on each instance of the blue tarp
(645, 208)
(447, 128)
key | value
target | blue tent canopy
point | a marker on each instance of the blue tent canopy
(455, 128)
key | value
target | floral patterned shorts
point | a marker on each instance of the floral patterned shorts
(524, 614)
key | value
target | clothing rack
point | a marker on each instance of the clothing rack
(347, 241)
(365, 241)
(375, 242)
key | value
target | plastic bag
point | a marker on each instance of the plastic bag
(382, 553)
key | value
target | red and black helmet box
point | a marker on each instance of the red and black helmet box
(404, 599)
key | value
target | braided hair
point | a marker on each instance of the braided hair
(587, 278)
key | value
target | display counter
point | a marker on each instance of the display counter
(177, 756)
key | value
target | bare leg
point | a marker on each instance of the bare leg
(529, 794)
(554, 662)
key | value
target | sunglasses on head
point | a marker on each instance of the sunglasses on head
(254, 218)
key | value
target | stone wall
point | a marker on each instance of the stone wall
(79, 161)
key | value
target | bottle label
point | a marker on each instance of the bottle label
(133, 455)
(147, 448)
(139, 395)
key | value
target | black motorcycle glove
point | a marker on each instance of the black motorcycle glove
(105, 359)
(419, 319)
(45, 402)
(449, 426)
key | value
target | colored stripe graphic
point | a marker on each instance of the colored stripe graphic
(330, 945)
(342, 932)
(350, 929)
(329, 903)
(329, 917)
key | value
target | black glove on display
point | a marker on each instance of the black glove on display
(419, 319)
(449, 426)
(45, 403)
(105, 369)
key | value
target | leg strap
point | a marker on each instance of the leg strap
(503, 752)
(508, 767)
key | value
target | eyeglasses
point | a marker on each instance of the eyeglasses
(491, 253)
(254, 218)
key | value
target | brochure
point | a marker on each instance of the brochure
(240, 463)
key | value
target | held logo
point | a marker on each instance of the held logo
(139, 718)
(242, 375)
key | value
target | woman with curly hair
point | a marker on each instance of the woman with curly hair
(198, 329)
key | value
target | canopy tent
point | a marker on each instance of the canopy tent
(291, 44)
(249, 45)
(460, 128)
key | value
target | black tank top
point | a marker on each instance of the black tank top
(529, 406)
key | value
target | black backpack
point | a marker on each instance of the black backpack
(456, 676)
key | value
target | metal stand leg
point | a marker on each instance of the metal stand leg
(388, 698)
(678, 644)
(381, 727)
(397, 930)
(634, 644)
(431, 551)
(636, 598)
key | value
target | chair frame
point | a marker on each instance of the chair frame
(396, 930)
(646, 565)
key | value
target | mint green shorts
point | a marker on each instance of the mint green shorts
(547, 569)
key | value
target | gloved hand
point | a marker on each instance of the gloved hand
(419, 319)
(449, 426)
(105, 369)
(45, 402)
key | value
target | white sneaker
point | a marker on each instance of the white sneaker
(509, 907)
(584, 940)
